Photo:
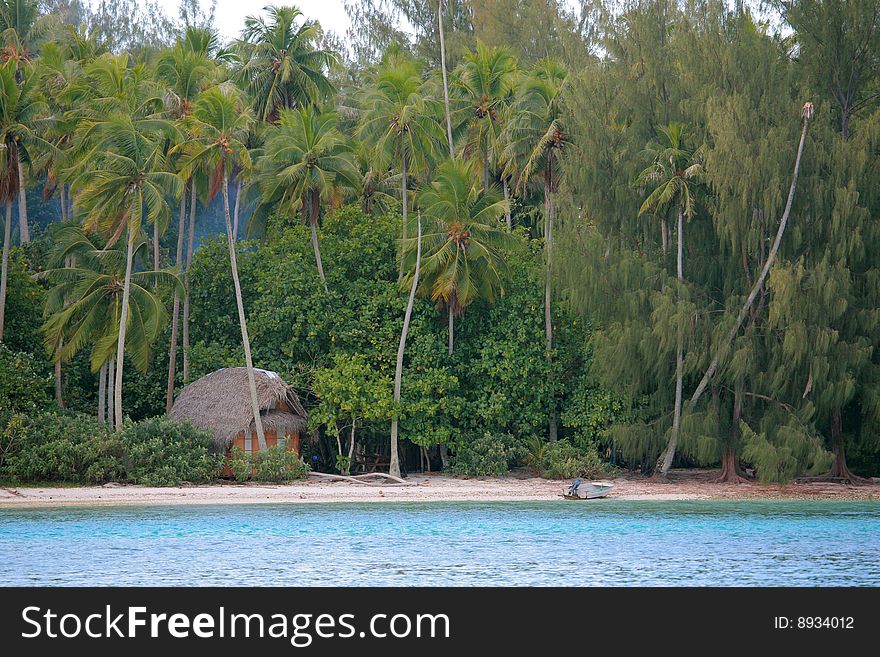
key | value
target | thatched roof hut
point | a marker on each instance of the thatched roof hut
(220, 402)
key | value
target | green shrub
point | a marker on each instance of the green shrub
(562, 460)
(162, 452)
(64, 447)
(487, 456)
(23, 388)
(277, 464)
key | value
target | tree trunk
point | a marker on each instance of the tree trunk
(123, 321)
(404, 201)
(839, 468)
(245, 341)
(351, 447)
(445, 84)
(7, 239)
(398, 370)
(759, 283)
(548, 319)
(59, 396)
(664, 236)
(156, 265)
(193, 201)
(507, 216)
(451, 329)
(731, 473)
(665, 460)
(63, 204)
(24, 231)
(486, 169)
(102, 393)
(175, 312)
(111, 387)
(235, 211)
(314, 201)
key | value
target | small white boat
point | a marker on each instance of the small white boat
(586, 490)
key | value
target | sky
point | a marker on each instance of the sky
(230, 14)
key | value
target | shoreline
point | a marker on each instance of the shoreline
(683, 485)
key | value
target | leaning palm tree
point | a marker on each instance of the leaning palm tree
(281, 66)
(535, 139)
(219, 124)
(84, 304)
(21, 110)
(400, 121)
(463, 242)
(485, 84)
(123, 175)
(673, 171)
(306, 159)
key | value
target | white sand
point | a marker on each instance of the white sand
(691, 485)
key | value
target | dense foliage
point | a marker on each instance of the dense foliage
(649, 236)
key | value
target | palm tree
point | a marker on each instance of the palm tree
(394, 466)
(84, 305)
(20, 113)
(445, 82)
(186, 69)
(124, 173)
(220, 123)
(673, 171)
(485, 83)
(535, 139)
(22, 26)
(462, 246)
(400, 120)
(281, 66)
(306, 159)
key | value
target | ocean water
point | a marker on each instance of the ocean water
(607, 542)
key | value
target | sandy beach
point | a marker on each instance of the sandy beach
(684, 485)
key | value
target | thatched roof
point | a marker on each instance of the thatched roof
(220, 402)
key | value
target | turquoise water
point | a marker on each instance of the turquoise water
(612, 543)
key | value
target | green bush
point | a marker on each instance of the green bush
(487, 456)
(277, 464)
(23, 388)
(562, 460)
(64, 447)
(163, 452)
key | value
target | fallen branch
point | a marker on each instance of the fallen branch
(390, 480)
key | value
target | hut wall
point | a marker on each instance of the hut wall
(292, 443)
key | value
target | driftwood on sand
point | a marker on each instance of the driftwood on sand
(386, 479)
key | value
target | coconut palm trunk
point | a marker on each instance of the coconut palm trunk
(63, 205)
(111, 370)
(507, 216)
(7, 238)
(189, 253)
(175, 312)
(451, 328)
(156, 265)
(314, 208)
(403, 199)
(759, 282)
(398, 369)
(102, 393)
(665, 460)
(59, 389)
(548, 318)
(24, 230)
(245, 340)
(235, 211)
(445, 83)
(123, 322)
